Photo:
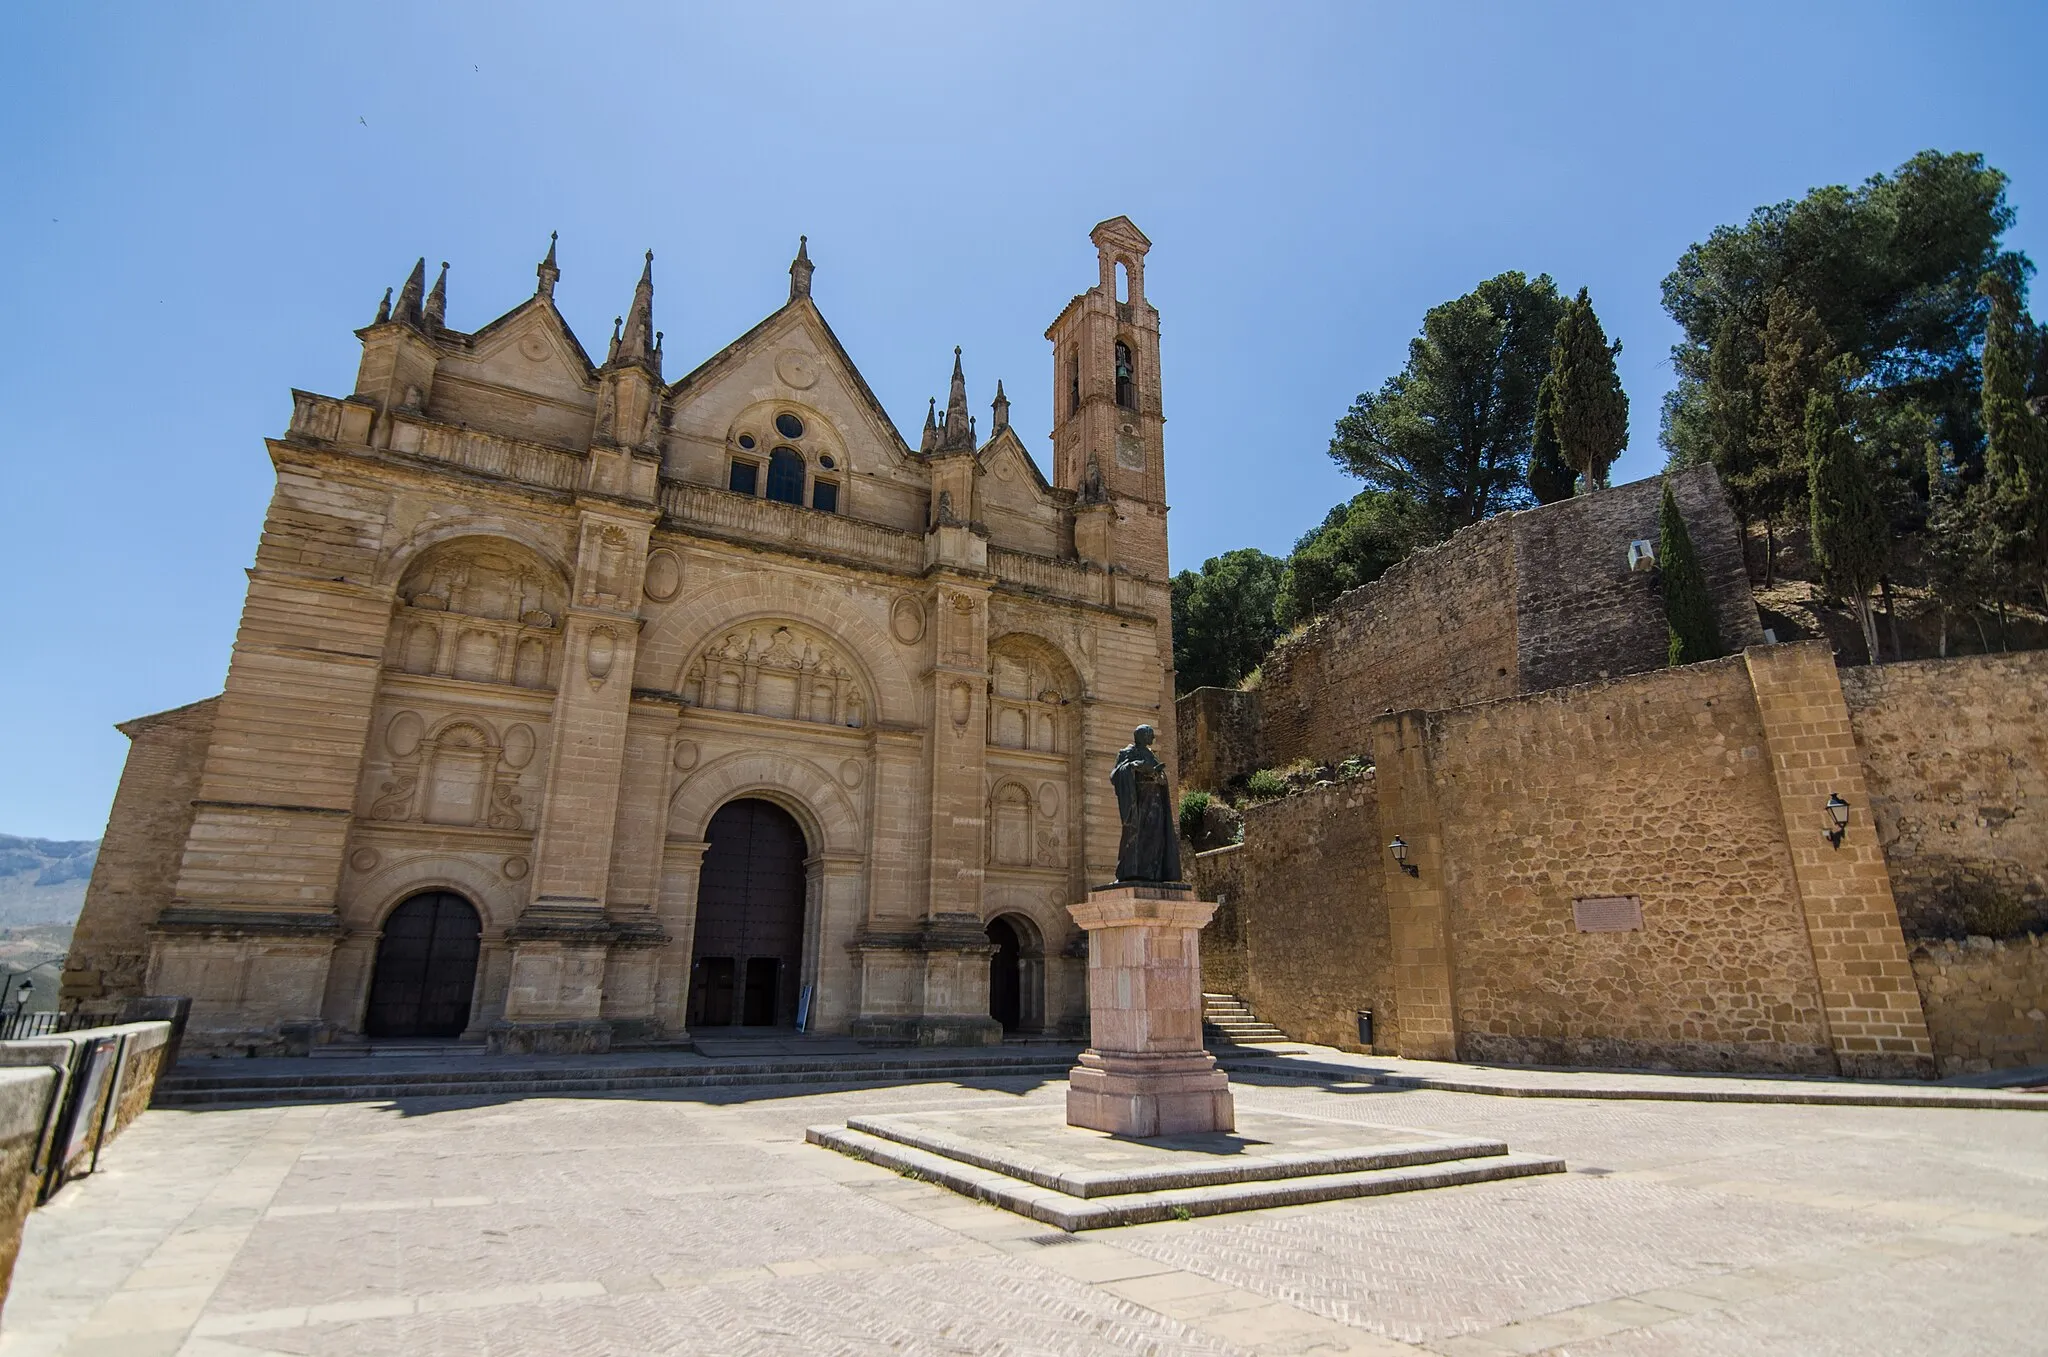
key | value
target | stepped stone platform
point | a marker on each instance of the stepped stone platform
(1077, 1179)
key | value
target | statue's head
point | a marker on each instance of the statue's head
(1144, 735)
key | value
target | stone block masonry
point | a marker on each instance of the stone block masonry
(1522, 603)
(1986, 1002)
(1955, 757)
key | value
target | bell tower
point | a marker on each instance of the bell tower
(1108, 430)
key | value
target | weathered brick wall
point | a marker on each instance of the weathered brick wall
(1657, 787)
(1955, 756)
(1310, 903)
(1986, 1002)
(138, 861)
(1580, 614)
(1218, 733)
(1438, 630)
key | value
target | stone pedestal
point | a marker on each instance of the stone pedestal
(1146, 1073)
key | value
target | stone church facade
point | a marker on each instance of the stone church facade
(575, 704)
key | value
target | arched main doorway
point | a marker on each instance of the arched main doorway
(747, 958)
(426, 968)
(1016, 974)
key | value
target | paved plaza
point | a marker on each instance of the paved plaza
(698, 1221)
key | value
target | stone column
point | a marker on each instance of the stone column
(556, 999)
(1145, 1073)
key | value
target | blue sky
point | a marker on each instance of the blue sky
(203, 201)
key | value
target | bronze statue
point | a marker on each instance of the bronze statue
(1150, 847)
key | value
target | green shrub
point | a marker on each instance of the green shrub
(1264, 785)
(1193, 806)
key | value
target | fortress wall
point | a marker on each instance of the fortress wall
(1437, 630)
(1658, 787)
(1581, 614)
(1524, 602)
(1955, 756)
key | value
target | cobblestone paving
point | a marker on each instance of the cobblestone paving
(700, 1223)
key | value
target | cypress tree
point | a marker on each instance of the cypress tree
(1550, 479)
(1588, 408)
(1792, 365)
(2016, 438)
(1851, 533)
(1688, 611)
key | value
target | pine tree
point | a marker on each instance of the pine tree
(1851, 534)
(2016, 442)
(1588, 408)
(1688, 610)
(1550, 479)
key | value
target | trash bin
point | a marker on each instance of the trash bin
(1365, 1027)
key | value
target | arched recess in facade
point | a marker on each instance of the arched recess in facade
(551, 547)
(835, 880)
(677, 634)
(1016, 978)
(373, 896)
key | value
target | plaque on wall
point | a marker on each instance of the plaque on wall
(1608, 913)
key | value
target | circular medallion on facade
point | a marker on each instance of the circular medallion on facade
(686, 755)
(1048, 798)
(402, 736)
(534, 348)
(519, 746)
(664, 574)
(906, 620)
(515, 868)
(851, 772)
(795, 370)
(364, 859)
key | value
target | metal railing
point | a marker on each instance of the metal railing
(23, 1026)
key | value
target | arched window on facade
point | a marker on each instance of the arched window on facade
(1073, 383)
(1126, 378)
(786, 476)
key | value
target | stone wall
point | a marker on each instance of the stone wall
(138, 861)
(1521, 603)
(1311, 943)
(1437, 630)
(1986, 1002)
(1580, 614)
(1955, 755)
(1215, 875)
(25, 1096)
(1217, 730)
(1655, 787)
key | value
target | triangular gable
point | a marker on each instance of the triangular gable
(529, 349)
(798, 313)
(1006, 446)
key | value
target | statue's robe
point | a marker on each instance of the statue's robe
(1150, 847)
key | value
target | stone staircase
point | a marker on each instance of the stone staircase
(463, 1074)
(1228, 1020)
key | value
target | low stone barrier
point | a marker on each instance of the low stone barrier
(62, 1099)
(1986, 1002)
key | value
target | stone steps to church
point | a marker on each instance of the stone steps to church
(1229, 1019)
(402, 1078)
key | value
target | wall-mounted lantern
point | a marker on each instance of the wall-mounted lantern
(1838, 811)
(1399, 848)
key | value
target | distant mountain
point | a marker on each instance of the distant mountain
(42, 881)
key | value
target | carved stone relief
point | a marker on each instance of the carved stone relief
(459, 774)
(906, 620)
(777, 669)
(664, 575)
(479, 610)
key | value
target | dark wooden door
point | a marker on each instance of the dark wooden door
(748, 951)
(1005, 976)
(426, 968)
